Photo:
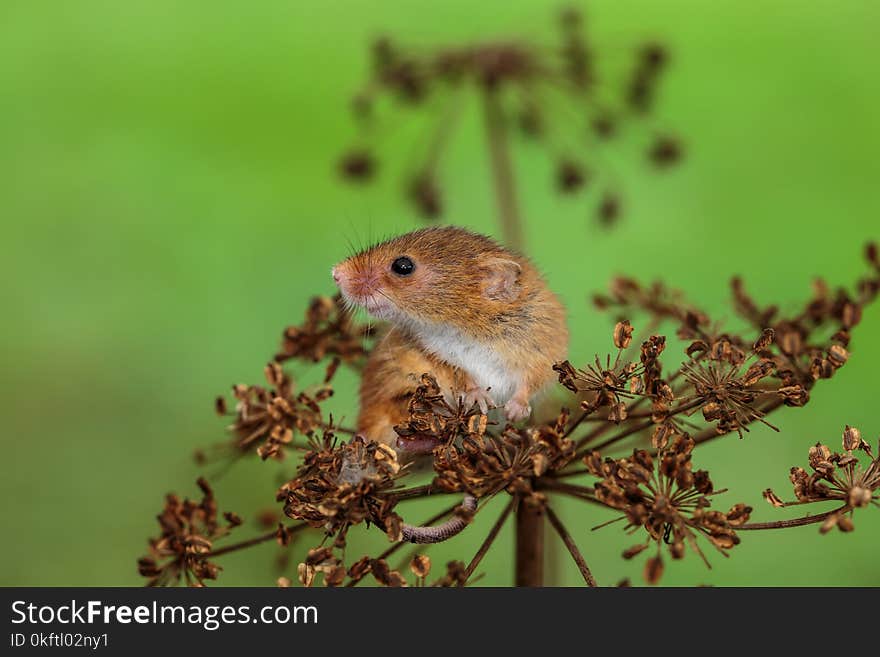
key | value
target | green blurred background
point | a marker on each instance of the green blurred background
(169, 203)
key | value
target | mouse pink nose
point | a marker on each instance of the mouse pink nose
(335, 273)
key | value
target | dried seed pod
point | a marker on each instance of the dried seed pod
(653, 570)
(859, 496)
(766, 339)
(665, 151)
(420, 565)
(623, 334)
(773, 499)
(852, 438)
(838, 355)
(570, 176)
(629, 553)
(609, 209)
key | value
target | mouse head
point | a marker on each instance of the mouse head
(444, 274)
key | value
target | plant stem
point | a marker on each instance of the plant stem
(565, 474)
(581, 419)
(796, 522)
(647, 424)
(572, 547)
(502, 168)
(418, 492)
(529, 545)
(581, 492)
(256, 540)
(493, 534)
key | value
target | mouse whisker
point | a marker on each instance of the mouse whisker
(351, 247)
(378, 291)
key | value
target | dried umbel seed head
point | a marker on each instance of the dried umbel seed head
(668, 499)
(732, 380)
(604, 384)
(182, 550)
(434, 422)
(486, 464)
(728, 386)
(328, 329)
(339, 485)
(841, 477)
(269, 417)
(546, 91)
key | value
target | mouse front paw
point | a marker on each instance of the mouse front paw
(481, 398)
(517, 409)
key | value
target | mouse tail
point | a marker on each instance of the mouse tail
(448, 529)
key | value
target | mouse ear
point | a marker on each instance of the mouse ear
(501, 279)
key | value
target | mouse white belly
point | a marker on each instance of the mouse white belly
(480, 361)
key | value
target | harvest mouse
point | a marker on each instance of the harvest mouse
(475, 315)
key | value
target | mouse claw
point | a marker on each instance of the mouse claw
(481, 398)
(517, 410)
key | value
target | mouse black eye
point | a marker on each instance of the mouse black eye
(403, 266)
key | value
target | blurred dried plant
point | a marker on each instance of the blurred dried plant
(629, 448)
(559, 95)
